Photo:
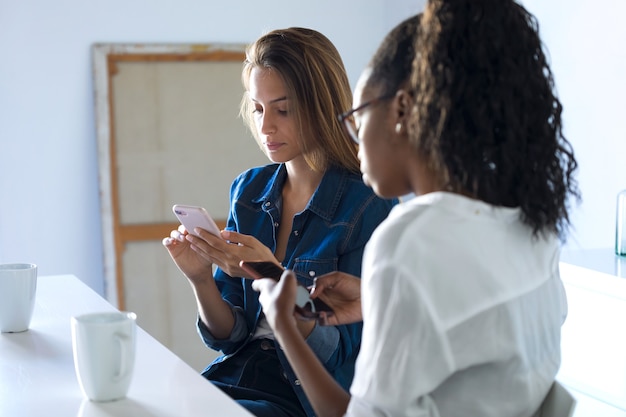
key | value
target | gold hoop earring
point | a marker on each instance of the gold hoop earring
(398, 127)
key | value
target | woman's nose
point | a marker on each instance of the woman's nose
(267, 125)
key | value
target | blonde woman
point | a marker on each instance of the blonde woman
(308, 211)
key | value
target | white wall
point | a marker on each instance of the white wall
(49, 205)
(587, 45)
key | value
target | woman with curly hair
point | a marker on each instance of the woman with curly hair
(461, 298)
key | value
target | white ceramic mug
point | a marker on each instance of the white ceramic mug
(104, 353)
(18, 286)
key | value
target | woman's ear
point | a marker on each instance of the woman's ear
(402, 105)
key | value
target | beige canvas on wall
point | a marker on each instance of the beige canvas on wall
(169, 133)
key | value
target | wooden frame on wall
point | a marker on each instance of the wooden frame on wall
(117, 232)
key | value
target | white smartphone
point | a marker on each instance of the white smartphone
(195, 216)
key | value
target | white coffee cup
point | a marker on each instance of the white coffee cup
(104, 353)
(18, 286)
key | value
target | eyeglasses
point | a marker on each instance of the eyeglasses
(348, 121)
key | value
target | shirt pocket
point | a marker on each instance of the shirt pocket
(308, 269)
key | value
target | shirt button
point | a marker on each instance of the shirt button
(311, 273)
(296, 233)
(275, 224)
(265, 345)
(267, 204)
(297, 382)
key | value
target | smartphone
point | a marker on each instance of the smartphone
(262, 269)
(305, 305)
(194, 216)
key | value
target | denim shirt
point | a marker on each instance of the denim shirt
(328, 235)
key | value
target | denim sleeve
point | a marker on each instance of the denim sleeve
(239, 332)
(233, 294)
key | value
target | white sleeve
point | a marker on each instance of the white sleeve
(404, 353)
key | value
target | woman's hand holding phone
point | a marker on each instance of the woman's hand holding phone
(342, 293)
(305, 306)
(222, 248)
(278, 298)
(193, 266)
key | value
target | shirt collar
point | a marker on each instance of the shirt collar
(325, 199)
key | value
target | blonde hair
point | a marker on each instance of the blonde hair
(316, 81)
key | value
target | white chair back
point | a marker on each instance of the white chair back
(558, 403)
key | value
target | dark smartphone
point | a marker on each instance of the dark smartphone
(262, 269)
(305, 306)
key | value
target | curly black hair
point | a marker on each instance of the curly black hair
(486, 117)
(392, 63)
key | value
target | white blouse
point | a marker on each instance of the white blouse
(462, 312)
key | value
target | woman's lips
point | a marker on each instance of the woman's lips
(273, 146)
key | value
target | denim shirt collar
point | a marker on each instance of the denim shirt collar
(325, 199)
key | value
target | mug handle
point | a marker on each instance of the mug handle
(122, 341)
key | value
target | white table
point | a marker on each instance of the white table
(593, 343)
(37, 375)
(598, 259)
